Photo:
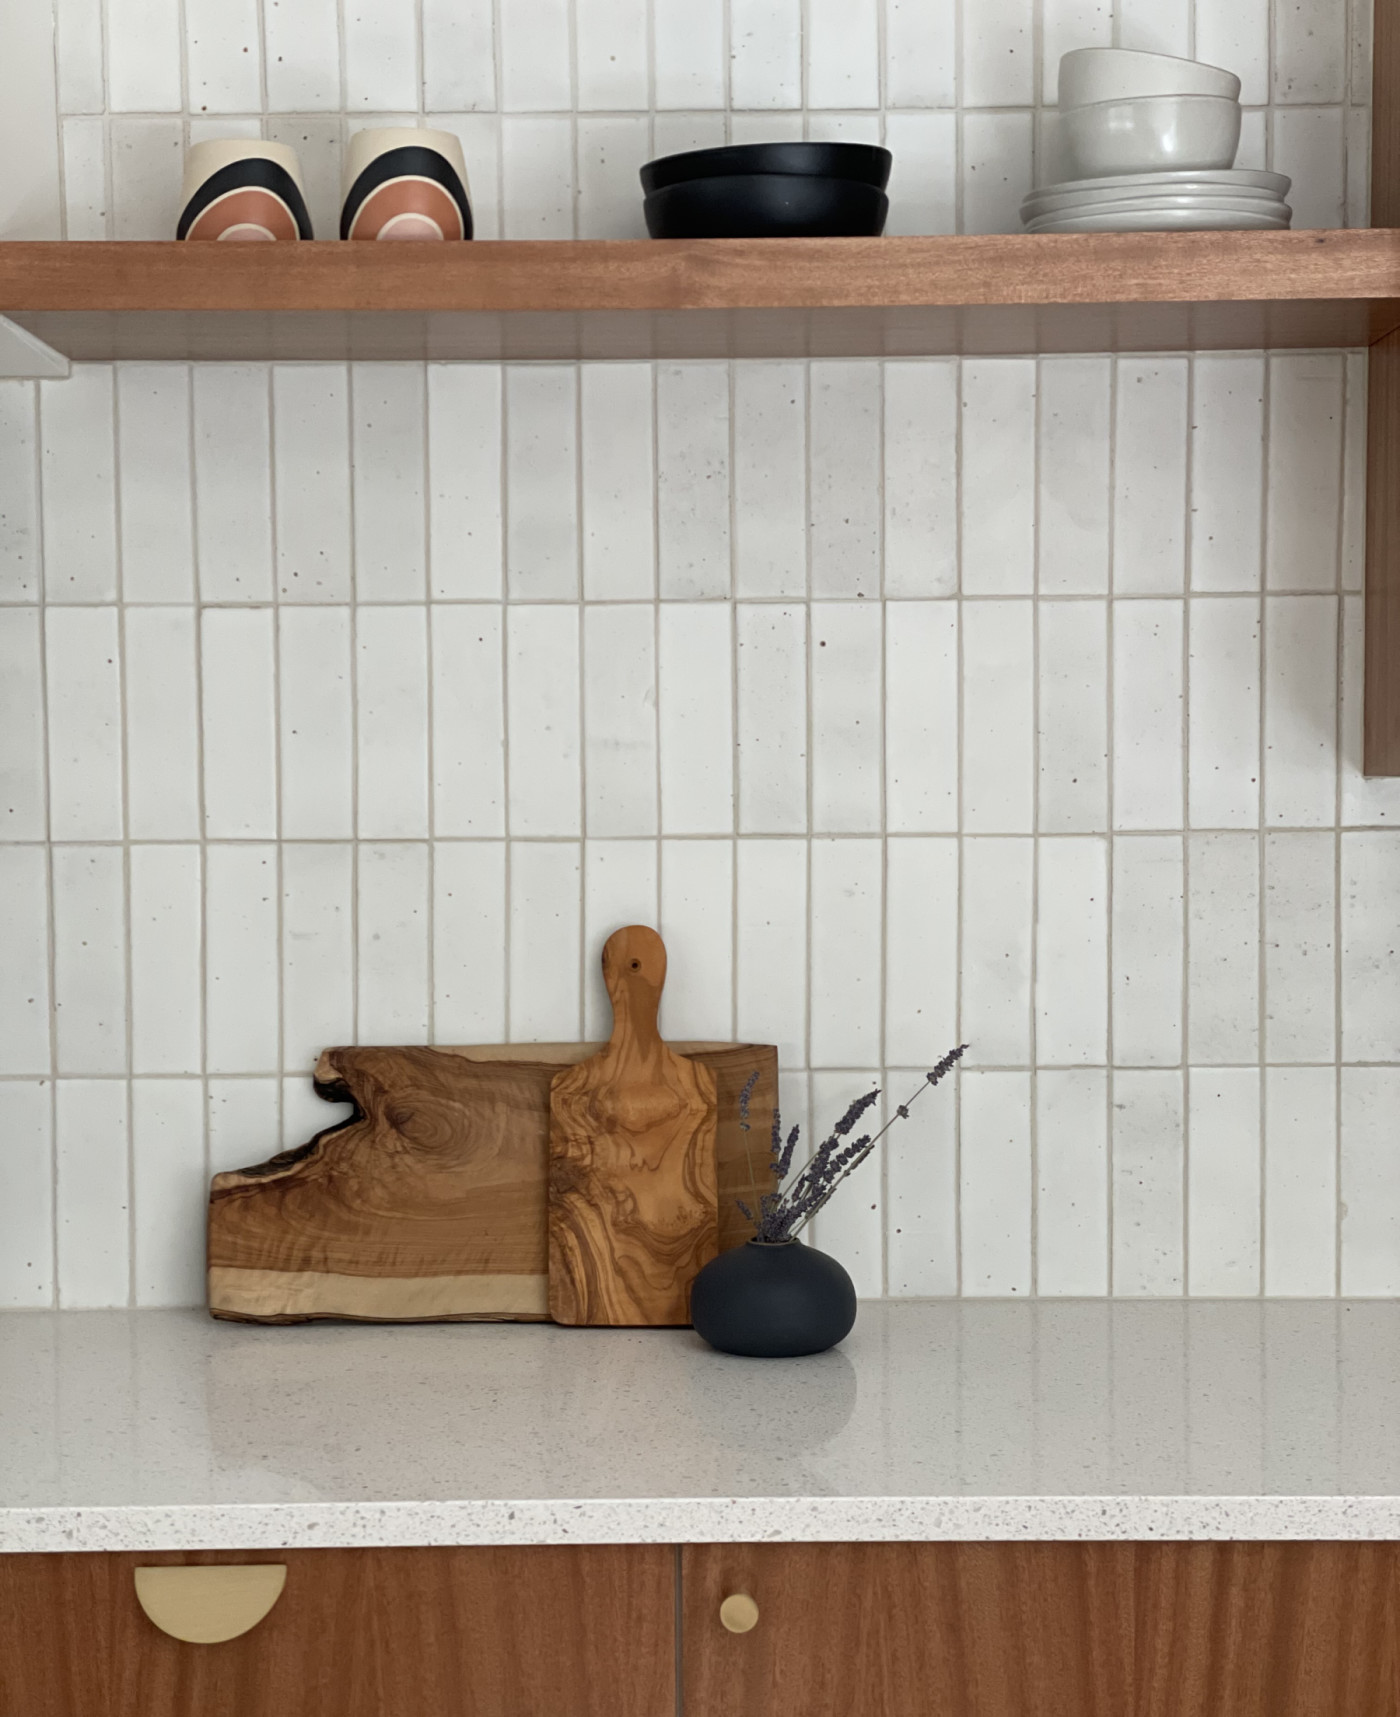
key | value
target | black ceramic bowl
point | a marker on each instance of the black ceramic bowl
(767, 205)
(864, 162)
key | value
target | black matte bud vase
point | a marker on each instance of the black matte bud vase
(773, 1301)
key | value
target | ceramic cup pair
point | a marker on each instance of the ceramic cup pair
(401, 182)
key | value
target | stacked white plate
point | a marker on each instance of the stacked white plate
(1187, 200)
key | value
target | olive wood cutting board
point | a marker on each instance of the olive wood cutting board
(633, 1200)
(429, 1203)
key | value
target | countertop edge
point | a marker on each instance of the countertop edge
(685, 1520)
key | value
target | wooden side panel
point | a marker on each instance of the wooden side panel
(1385, 115)
(908, 1630)
(1267, 1630)
(1382, 695)
(547, 1632)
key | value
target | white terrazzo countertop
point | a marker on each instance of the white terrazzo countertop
(935, 1420)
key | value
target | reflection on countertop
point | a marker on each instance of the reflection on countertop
(936, 1419)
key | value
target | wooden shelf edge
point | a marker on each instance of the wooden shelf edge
(513, 276)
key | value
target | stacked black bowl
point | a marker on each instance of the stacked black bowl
(769, 190)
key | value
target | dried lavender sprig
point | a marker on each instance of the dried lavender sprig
(933, 1077)
(783, 1212)
(823, 1158)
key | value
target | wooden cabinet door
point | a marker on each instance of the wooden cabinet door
(910, 1630)
(1268, 1630)
(547, 1632)
(1045, 1630)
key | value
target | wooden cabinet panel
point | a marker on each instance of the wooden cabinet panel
(911, 1630)
(547, 1632)
(1268, 1630)
(1046, 1630)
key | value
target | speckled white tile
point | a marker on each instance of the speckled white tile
(1223, 947)
(1148, 1190)
(1148, 949)
(1300, 935)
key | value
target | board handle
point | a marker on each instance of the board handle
(634, 969)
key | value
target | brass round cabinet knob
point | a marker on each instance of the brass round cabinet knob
(738, 1613)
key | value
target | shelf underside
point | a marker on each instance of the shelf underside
(715, 299)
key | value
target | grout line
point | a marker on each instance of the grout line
(1261, 917)
(735, 747)
(1111, 841)
(430, 670)
(509, 839)
(269, 1073)
(882, 730)
(124, 788)
(1339, 742)
(655, 424)
(581, 1003)
(41, 571)
(280, 845)
(1033, 1118)
(775, 834)
(1187, 611)
(959, 741)
(201, 807)
(759, 600)
(356, 843)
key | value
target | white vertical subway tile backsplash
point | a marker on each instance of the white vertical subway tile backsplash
(1005, 700)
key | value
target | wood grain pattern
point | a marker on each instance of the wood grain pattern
(906, 1630)
(431, 1202)
(708, 298)
(483, 1632)
(1385, 115)
(633, 1191)
(1268, 1630)
(1046, 1630)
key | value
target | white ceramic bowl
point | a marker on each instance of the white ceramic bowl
(1156, 131)
(1252, 178)
(1046, 202)
(1164, 221)
(1120, 74)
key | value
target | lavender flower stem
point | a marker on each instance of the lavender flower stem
(933, 1078)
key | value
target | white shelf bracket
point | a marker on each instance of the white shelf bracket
(25, 357)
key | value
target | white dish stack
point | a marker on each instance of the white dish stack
(1151, 141)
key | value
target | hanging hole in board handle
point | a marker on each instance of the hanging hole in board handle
(738, 1613)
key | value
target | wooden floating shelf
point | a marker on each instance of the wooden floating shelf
(717, 298)
(772, 298)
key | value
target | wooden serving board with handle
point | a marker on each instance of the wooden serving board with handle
(430, 1202)
(633, 1199)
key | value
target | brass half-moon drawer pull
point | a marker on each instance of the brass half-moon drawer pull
(207, 1605)
(738, 1613)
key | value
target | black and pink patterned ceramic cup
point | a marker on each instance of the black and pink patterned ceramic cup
(402, 182)
(240, 190)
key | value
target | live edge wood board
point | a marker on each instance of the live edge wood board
(430, 1203)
